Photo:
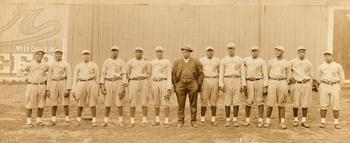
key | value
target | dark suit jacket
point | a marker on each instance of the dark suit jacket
(197, 69)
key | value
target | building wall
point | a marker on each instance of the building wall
(98, 24)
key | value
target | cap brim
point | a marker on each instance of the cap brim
(186, 50)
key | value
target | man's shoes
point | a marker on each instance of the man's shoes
(295, 124)
(227, 124)
(30, 125)
(202, 123)
(66, 123)
(213, 123)
(144, 124)
(105, 124)
(267, 125)
(50, 124)
(40, 124)
(179, 125)
(155, 124)
(194, 125)
(121, 124)
(260, 124)
(322, 125)
(77, 124)
(337, 126)
(166, 125)
(94, 124)
(283, 125)
(305, 125)
(132, 125)
(246, 124)
(235, 124)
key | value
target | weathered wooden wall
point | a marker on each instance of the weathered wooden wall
(98, 24)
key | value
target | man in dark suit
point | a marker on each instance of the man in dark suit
(187, 77)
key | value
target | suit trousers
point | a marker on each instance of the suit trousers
(182, 89)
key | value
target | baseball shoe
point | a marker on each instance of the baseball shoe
(260, 124)
(179, 125)
(66, 123)
(322, 125)
(105, 124)
(246, 124)
(50, 124)
(155, 124)
(202, 123)
(30, 125)
(40, 124)
(144, 123)
(194, 125)
(166, 125)
(213, 123)
(94, 124)
(132, 125)
(295, 124)
(337, 126)
(266, 125)
(283, 125)
(235, 124)
(77, 124)
(227, 124)
(121, 124)
(305, 125)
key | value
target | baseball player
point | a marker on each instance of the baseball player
(301, 77)
(59, 85)
(161, 85)
(232, 82)
(85, 83)
(138, 73)
(210, 86)
(256, 80)
(112, 84)
(36, 91)
(279, 75)
(331, 76)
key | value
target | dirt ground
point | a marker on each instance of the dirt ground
(12, 120)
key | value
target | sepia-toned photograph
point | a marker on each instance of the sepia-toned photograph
(174, 71)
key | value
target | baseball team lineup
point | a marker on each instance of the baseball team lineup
(265, 84)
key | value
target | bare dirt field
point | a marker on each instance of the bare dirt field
(12, 120)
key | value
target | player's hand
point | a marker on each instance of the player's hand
(199, 88)
(47, 93)
(222, 88)
(66, 93)
(168, 92)
(74, 96)
(103, 89)
(243, 88)
(122, 93)
(265, 90)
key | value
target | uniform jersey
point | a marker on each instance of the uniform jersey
(301, 69)
(256, 68)
(138, 68)
(161, 69)
(210, 66)
(279, 68)
(231, 66)
(113, 68)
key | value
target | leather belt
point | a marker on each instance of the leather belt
(303, 81)
(159, 79)
(278, 79)
(253, 79)
(138, 78)
(330, 83)
(43, 83)
(59, 79)
(113, 79)
(211, 76)
(231, 76)
(86, 79)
